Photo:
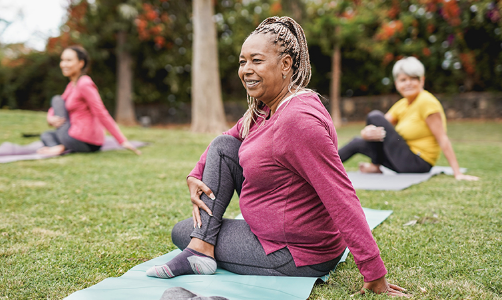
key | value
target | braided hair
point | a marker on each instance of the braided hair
(290, 38)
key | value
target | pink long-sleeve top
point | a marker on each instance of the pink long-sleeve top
(296, 192)
(88, 115)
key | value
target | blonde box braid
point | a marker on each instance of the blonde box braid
(291, 40)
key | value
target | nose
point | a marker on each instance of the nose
(246, 68)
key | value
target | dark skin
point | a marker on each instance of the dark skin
(262, 71)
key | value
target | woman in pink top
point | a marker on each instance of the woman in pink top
(300, 209)
(79, 114)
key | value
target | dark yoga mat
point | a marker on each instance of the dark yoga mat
(10, 152)
(392, 181)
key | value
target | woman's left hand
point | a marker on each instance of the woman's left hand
(466, 177)
(372, 133)
(129, 146)
(381, 286)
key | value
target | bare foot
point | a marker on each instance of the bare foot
(365, 167)
(55, 150)
(201, 246)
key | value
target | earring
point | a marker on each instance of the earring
(283, 76)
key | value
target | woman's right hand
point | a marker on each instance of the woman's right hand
(381, 286)
(372, 133)
(196, 188)
(56, 121)
(131, 147)
(461, 176)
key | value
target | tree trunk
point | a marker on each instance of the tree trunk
(124, 112)
(336, 66)
(294, 9)
(207, 107)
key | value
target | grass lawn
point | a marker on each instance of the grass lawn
(69, 222)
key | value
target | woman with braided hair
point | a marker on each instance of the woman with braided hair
(300, 209)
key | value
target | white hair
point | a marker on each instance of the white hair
(409, 66)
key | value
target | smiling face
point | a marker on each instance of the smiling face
(409, 87)
(70, 65)
(261, 69)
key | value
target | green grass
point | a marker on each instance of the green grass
(69, 222)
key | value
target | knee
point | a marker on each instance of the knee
(224, 140)
(56, 100)
(47, 138)
(45, 135)
(181, 233)
(375, 117)
(356, 144)
(358, 141)
(223, 143)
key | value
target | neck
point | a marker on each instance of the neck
(75, 77)
(274, 103)
(412, 98)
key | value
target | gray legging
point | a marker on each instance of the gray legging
(237, 249)
(60, 136)
(392, 153)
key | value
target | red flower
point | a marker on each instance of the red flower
(151, 15)
(394, 10)
(388, 57)
(160, 41)
(468, 62)
(156, 30)
(431, 28)
(275, 8)
(164, 17)
(451, 12)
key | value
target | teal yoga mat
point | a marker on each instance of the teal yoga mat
(134, 284)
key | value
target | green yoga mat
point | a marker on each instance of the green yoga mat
(134, 284)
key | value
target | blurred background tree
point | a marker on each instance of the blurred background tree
(459, 42)
(208, 114)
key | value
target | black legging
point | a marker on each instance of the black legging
(392, 153)
(60, 136)
(237, 249)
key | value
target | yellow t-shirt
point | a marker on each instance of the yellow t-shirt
(412, 127)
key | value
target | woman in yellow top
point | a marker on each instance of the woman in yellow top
(410, 136)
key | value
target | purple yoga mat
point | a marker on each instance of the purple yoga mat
(10, 152)
(15, 149)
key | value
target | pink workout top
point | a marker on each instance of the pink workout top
(296, 192)
(88, 115)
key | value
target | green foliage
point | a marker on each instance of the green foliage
(24, 86)
(459, 42)
(159, 38)
(69, 222)
(162, 58)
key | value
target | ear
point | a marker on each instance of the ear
(422, 81)
(286, 64)
(81, 64)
